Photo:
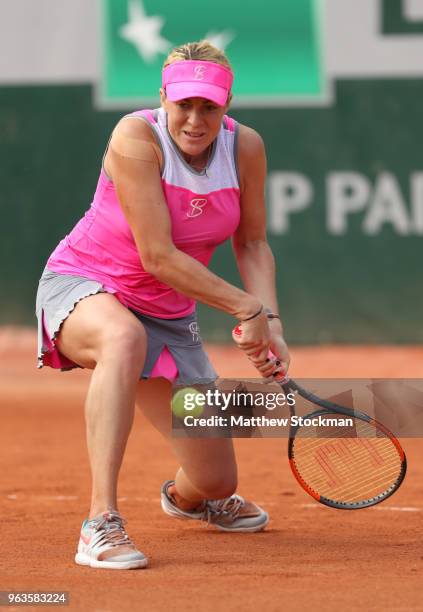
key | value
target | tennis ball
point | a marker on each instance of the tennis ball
(188, 401)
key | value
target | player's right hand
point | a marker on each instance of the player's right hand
(253, 337)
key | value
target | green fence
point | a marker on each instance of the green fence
(345, 204)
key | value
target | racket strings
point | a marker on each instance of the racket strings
(346, 469)
(309, 458)
(376, 482)
(341, 485)
(380, 452)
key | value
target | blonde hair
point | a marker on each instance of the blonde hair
(202, 50)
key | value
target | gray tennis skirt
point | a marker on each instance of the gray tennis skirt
(58, 295)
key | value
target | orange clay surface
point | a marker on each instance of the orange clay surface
(310, 557)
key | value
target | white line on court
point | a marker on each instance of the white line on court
(379, 508)
(21, 496)
(24, 496)
(397, 508)
(155, 500)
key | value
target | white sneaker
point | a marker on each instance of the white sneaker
(230, 514)
(104, 543)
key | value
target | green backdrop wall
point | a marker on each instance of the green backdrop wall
(356, 286)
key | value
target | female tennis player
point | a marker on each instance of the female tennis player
(118, 294)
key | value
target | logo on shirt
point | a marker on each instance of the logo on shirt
(199, 72)
(195, 331)
(197, 205)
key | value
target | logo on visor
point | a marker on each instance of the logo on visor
(199, 72)
(197, 205)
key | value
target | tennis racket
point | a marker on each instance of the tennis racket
(346, 468)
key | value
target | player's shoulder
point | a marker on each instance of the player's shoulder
(133, 138)
(251, 153)
(135, 126)
(250, 143)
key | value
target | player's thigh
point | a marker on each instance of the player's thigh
(208, 462)
(154, 398)
(100, 326)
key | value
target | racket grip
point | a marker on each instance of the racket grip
(278, 375)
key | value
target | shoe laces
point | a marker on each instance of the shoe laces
(230, 507)
(110, 529)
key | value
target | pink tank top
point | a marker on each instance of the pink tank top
(204, 210)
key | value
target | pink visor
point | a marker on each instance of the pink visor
(197, 79)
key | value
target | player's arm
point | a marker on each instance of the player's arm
(133, 162)
(253, 255)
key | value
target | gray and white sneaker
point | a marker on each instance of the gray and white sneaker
(104, 543)
(230, 514)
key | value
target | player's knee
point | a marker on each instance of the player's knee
(126, 341)
(219, 487)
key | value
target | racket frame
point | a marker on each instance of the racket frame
(328, 407)
(289, 385)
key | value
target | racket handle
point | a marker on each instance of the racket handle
(279, 375)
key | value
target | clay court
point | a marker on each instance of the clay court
(309, 556)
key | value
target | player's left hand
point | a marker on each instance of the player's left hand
(278, 362)
(282, 357)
